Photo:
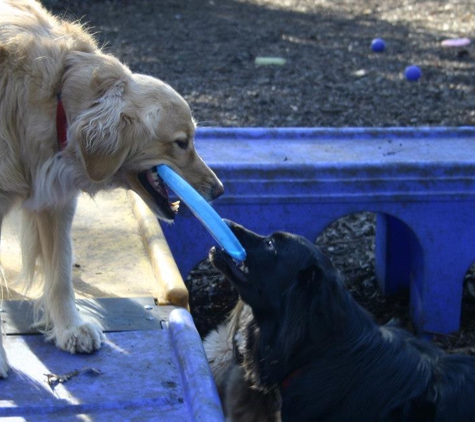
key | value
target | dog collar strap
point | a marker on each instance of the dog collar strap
(293, 375)
(61, 124)
(288, 379)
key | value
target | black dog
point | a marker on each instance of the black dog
(308, 338)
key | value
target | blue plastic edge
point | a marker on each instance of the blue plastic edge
(200, 389)
(332, 133)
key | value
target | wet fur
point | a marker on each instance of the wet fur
(309, 338)
(119, 124)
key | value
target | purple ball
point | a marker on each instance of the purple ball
(412, 73)
(378, 45)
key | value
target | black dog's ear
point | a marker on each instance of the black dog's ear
(310, 275)
(301, 301)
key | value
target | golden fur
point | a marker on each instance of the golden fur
(120, 125)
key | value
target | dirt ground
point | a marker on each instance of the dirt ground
(206, 49)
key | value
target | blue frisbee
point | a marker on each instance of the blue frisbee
(203, 212)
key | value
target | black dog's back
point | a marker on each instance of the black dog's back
(456, 388)
(395, 377)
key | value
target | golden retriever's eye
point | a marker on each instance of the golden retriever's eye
(182, 144)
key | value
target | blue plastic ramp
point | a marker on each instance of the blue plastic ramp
(158, 372)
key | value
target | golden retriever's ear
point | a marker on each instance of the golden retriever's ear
(100, 166)
(100, 135)
(94, 87)
(109, 78)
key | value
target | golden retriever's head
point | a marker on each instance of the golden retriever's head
(122, 125)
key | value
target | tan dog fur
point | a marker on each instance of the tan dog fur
(119, 124)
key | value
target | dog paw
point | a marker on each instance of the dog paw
(3, 363)
(84, 338)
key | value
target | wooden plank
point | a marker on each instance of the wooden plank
(172, 289)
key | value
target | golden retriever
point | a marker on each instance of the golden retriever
(119, 126)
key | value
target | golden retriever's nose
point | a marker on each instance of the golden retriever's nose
(217, 190)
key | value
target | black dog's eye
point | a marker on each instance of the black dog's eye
(270, 245)
(182, 144)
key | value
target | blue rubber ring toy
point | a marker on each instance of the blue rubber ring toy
(203, 212)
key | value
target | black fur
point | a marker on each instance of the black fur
(331, 361)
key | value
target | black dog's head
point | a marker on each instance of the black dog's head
(297, 299)
(273, 265)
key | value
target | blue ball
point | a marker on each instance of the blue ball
(412, 73)
(378, 45)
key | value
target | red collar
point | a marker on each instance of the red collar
(288, 379)
(61, 124)
(294, 374)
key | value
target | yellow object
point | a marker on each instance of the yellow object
(172, 289)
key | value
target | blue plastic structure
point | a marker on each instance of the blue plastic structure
(419, 181)
(152, 367)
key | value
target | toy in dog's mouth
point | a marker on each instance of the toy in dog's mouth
(155, 186)
(236, 272)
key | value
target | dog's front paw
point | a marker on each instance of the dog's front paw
(83, 338)
(3, 363)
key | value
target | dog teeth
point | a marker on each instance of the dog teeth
(174, 206)
(243, 268)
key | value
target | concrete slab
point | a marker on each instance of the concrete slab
(119, 251)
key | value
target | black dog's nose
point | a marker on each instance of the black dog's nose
(230, 223)
(217, 190)
(235, 227)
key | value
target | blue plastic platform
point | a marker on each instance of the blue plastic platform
(419, 181)
(152, 367)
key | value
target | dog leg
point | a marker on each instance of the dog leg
(241, 402)
(244, 403)
(3, 356)
(219, 351)
(47, 237)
